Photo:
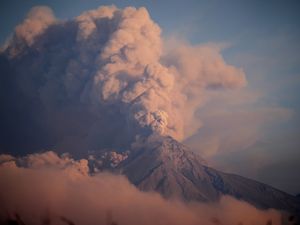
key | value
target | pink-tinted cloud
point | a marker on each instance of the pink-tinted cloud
(37, 20)
(55, 187)
(112, 59)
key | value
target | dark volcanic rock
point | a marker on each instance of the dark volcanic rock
(170, 168)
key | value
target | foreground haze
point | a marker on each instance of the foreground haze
(53, 187)
(112, 100)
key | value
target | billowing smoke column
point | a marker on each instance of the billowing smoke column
(102, 78)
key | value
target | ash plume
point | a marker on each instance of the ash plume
(101, 80)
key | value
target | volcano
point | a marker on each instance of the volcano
(164, 165)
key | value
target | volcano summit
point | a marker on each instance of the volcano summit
(164, 165)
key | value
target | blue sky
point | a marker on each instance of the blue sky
(262, 37)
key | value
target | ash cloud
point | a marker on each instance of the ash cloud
(36, 22)
(102, 79)
(48, 187)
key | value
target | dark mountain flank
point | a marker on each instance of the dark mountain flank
(170, 168)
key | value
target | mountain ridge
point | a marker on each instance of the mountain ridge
(172, 169)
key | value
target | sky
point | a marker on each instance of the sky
(253, 131)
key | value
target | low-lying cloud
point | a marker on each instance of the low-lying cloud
(59, 190)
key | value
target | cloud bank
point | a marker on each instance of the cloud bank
(101, 79)
(45, 187)
(235, 121)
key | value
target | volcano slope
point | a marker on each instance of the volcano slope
(166, 166)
